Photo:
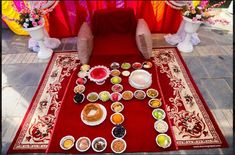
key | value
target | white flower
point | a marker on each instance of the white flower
(27, 20)
(198, 16)
(31, 19)
(186, 13)
(25, 25)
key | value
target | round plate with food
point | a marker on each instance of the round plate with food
(83, 144)
(147, 64)
(163, 140)
(127, 95)
(152, 93)
(93, 114)
(92, 97)
(99, 144)
(126, 65)
(67, 142)
(118, 145)
(117, 106)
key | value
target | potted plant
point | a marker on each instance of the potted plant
(194, 14)
(31, 19)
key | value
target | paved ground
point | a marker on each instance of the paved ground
(211, 65)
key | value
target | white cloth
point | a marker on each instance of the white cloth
(51, 43)
(178, 37)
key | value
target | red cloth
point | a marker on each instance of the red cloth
(67, 17)
(138, 121)
(119, 21)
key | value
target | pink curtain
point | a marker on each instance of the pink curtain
(65, 20)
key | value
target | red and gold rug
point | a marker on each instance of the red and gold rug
(192, 123)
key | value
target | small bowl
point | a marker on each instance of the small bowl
(94, 141)
(85, 67)
(155, 100)
(118, 139)
(169, 141)
(92, 93)
(101, 97)
(119, 80)
(152, 93)
(126, 73)
(126, 65)
(115, 97)
(117, 113)
(159, 110)
(79, 89)
(117, 88)
(82, 74)
(164, 125)
(80, 81)
(77, 96)
(115, 65)
(69, 137)
(127, 91)
(114, 135)
(116, 104)
(147, 64)
(137, 65)
(137, 91)
(115, 72)
(89, 144)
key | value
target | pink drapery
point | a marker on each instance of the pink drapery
(67, 17)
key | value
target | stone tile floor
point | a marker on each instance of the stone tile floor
(211, 65)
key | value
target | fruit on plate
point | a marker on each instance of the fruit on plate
(127, 95)
(79, 88)
(126, 65)
(83, 144)
(85, 67)
(92, 112)
(137, 65)
(81, 81)
(82, 74)
(104, 96)
(99, 144)
(117, 106)
(116, 80)
(152, 93)
(155, 103)
(147, 64)
(117, 118)
(79, 98)
(92, 97)
(117, 88)
(115, 72)
(67, 142)
(118, 145)
(115, 96)
(158, 114)
(118, 131)
(161, 126)
(139, 94)
(163, 140)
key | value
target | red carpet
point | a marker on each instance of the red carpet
(192, 124)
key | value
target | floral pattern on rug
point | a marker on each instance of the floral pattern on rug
(38, 125)
(191, 122)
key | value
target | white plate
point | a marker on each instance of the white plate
(140, 79)
(65, 138)
(76, 144)
(96, 122)
(120, 140)
(93, 142)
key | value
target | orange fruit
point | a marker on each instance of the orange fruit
(117, 118)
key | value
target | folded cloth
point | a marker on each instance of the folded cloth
(174, 39)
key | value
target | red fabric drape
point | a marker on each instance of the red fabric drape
(67, 17)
